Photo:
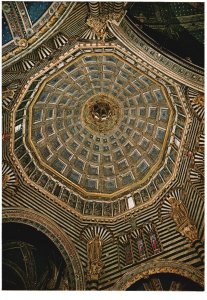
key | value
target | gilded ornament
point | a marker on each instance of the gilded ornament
(101, 113)
(199, 100)
(5, 181)
(23, 43)
(6, 8)
(190, 232)
(179, 211)
(99, 24)
(180, 216)
(7, 93)
(16, 51)
(95, 265)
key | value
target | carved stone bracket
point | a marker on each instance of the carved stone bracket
(99, 24)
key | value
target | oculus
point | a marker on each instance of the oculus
(101, 113)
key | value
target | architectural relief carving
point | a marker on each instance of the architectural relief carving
(57, 12)
(183, 73)
(196, 172)
(180, 215)
(190, 231)
(199, 99)
(95, 238)
(95, 265)
(99, 24)
(9, 178)
(23, 43)
(196, 99)
(8, 94)
(137, 145)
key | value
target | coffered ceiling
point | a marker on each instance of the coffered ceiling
(100, 120)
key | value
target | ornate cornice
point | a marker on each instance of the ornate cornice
(141, 45)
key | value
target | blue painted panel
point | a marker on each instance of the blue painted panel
(164, 114)
(146, 80)
(54, 80)
(58, 165)
(159, 95)
(43, 96)
(153, 112)
(110, 185)
(148, 97)
(143, 166)
(91, 184)
(36, 9)
(154, 152)
(6, 33)
(127, 179)
(160, 135)
(74, 176)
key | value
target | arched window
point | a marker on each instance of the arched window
(153, 245)
(137, 236)
(125, 250)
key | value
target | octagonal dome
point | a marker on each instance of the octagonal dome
(102, 156)
(100, 127)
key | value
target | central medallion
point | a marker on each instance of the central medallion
(101, 113)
